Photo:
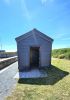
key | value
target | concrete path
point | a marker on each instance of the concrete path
(7, 81)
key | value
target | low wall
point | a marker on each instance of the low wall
(7, 62)
(6, 55)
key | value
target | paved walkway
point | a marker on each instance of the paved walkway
(7, 80)
(3, 59)
(34, 73)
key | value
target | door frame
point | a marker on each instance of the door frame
(39, 53)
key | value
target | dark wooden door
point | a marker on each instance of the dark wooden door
(34, 56)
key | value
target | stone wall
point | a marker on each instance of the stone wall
(7, 61)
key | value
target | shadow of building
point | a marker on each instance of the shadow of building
(54, 75)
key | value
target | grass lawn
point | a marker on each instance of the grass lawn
(54, 87)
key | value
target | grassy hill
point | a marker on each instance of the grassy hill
(56, 86)
(63, 53)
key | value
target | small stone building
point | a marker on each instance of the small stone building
(34, 50)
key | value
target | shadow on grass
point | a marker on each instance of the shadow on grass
(54, 75)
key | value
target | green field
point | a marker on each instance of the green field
(54, 87)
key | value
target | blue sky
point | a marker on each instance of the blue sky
(17, 17)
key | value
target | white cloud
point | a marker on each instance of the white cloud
(61, 36)
(68, 38)
(44, 2)
(23, 5)
(25, 10)
(7, 2)
(58, 35)
(26, 13)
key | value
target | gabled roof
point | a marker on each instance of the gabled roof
(34, 32)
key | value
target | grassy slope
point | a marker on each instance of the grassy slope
(55, 87)
(61, 53)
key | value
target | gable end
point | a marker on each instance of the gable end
(34, 32)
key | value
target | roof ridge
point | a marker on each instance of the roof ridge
(27, 34)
